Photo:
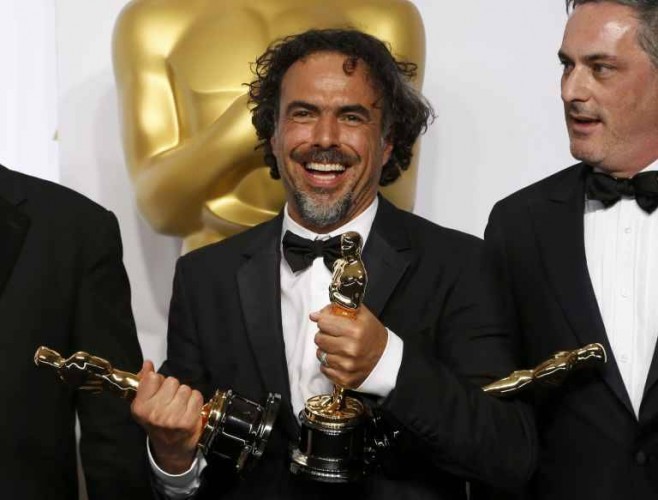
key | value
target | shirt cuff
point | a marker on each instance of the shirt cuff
(383, 377)
(178, 486)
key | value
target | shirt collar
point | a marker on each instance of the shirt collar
(652, 166)
(362, 224)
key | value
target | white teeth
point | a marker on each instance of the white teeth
(325, 167)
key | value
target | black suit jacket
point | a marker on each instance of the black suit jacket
(591, 443)
(62, 284)
(425, 284)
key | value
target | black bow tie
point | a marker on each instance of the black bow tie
(609, 190)
(301, 252)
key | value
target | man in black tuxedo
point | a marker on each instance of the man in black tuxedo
(62, 284)
(336, 117)
(577, 255)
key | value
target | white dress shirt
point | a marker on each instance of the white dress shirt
(621, 245)
(303, 292)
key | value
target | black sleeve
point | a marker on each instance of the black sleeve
(112, 445)
(438, 398)
(184, 351)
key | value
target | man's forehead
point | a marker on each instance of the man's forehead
(323, 64)
(325, 75)
(349, 63)
(599, 28)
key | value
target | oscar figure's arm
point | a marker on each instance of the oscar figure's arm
(175, 171)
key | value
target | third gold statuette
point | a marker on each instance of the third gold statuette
(551, 372)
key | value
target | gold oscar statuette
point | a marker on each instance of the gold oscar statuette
(551, 372)
(332, 439)
(234, 428)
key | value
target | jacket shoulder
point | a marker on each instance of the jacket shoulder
(541, 188)
(424, 233)
(235, 246)
(49, 203)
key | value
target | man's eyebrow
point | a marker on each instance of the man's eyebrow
(348, 108)
(355, 108)
(562, 56)
(301, 104)
(590, 58)
(600, 56)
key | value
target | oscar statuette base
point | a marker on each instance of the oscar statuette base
(332, 441)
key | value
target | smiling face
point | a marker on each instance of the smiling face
(328, 142)
(609, 90)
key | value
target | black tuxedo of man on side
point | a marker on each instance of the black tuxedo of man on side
(63, 285)
(578, 259)
(336, 116)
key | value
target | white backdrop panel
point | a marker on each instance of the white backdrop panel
(28, 87)
(493, 76)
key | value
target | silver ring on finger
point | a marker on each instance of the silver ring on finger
(323, 359)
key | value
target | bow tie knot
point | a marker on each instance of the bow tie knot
(301, 252)
(609, 190)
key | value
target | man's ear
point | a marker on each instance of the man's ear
(274, 141)
(388, 149)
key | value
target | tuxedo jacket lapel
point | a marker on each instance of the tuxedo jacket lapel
(259, 289)
(385, 256)
(13, 225)
(558, 219)
(649, 406)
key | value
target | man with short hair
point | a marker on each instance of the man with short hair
(577, 255)
(337, 117)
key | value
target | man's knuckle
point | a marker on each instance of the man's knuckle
(172, 382)
(349, 365)
(196, 396)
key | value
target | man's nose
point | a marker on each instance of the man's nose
(326, 132)
(576, 85)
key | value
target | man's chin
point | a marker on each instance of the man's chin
(323, 210)
(585, 153)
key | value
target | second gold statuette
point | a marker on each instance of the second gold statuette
(332, 444)
(234, 428)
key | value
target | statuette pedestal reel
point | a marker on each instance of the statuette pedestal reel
(234, 428)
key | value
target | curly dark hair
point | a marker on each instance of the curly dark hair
(405, 113)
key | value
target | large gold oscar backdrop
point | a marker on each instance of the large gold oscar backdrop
(181, 66)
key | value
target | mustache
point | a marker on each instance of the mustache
(579, 110)
(324, 155)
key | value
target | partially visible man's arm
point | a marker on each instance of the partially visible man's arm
(112, 445)
(438, 397)
(170, 410)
